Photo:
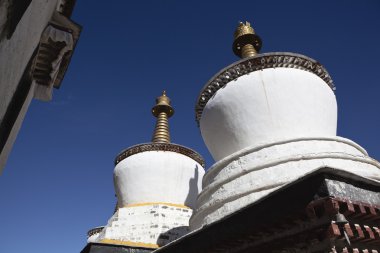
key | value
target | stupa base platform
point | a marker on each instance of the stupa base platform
(148, 225)
(325, 211)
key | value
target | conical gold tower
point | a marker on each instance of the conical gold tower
(161, 135)
(162, 111)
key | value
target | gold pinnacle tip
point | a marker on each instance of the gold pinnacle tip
(246, 42)
(162, 111)
(163, 105)
(243, 29)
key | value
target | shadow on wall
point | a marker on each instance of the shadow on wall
(192, 195)
(172, 234)
(177, 232)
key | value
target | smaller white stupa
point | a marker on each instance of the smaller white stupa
(156, 185)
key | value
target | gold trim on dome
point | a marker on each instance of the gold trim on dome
(157, 203)
(171, 147)
(130, 243)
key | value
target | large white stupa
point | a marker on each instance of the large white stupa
(156, 185)
(268, 120)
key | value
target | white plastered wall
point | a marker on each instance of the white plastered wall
(18, 50)
(15, 54)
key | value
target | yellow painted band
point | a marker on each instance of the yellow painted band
(129, 243)
(158, 203)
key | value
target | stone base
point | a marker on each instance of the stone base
(148, 225)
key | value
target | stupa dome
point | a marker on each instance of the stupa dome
(266, 98)
(160, 171)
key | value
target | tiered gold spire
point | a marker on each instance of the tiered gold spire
(162, 111)
(246, 42)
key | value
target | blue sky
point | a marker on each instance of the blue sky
(57, 183)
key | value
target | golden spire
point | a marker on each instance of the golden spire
(162, 111)
(246, 42)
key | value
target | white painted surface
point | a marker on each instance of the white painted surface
(93, 238)
(156, 192)
(158, 176)
(266, 106)
(151, 224)
(250, 174)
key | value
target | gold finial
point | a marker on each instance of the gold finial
(162, 111)
(246, 42)
(243, 29)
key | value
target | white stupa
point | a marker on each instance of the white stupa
(267, 120)
(156, 185)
